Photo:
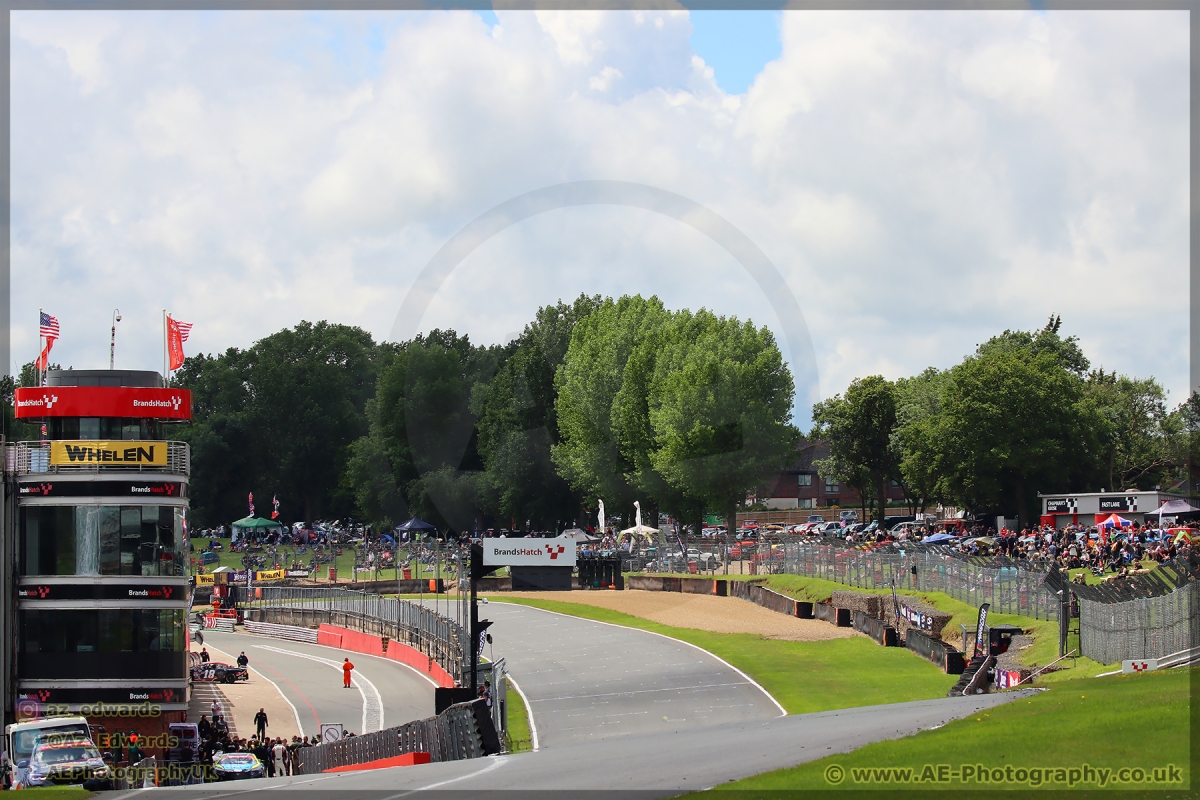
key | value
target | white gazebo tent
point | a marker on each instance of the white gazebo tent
(1173, 507)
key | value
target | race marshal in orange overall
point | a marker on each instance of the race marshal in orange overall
(347, 668)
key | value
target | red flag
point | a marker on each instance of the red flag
(44, 359)
(176, 335)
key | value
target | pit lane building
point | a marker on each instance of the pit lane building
(94, 537)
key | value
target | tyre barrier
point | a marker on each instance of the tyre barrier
(882, 634)
(943, 655)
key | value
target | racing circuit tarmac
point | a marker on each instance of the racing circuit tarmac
(615, 708)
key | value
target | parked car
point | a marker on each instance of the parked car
(216, 672)
(848, 516)
(814, 519)
(829, 528)
(209, 557)
(237, 766)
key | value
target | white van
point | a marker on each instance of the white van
(21, 737)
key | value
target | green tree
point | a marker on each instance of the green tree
(420, 454)
(1013, 422)
(859, 427)
(278, 419)
(1135, 444)
(719, 408)
(918, 406)
(599, 451)
(518, 425)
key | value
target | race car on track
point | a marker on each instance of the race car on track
(215, 672)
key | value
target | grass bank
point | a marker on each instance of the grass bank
(1120, 722)
(802, 676)
(1043, 632)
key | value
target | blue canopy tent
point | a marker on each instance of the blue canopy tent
(414, 525)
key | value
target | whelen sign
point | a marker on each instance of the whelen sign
(528, 553)
(103, 401)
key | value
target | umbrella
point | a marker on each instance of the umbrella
(938, 537)
(1114, 521)
(385, 537)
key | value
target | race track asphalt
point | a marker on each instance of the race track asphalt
(678, 759)
(586, 681)
(310, 677)
(616, 709)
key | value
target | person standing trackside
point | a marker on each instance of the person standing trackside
(242, 660)
(260, 723)
(347, 668)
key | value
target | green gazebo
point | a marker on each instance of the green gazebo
(253, 523)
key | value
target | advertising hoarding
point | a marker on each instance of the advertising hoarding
(528, 552)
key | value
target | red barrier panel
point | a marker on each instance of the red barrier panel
(406, 760)
(329, 635)
(420, 662)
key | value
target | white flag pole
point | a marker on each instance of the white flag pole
(166, 371)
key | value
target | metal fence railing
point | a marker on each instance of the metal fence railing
(25, 458)
(1009, 589)
(415, 625)
(1148, 627)
(451, 736)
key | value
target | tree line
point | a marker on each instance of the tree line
(596, 399)
(1024, 414)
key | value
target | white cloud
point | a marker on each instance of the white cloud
(921, 180)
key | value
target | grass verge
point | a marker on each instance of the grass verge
(802, 676)
(518, 738)
(1123, 721)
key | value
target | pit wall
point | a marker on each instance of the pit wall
(359, 642)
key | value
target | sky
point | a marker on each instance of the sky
(920, 181)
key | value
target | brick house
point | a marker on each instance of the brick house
(799, 486)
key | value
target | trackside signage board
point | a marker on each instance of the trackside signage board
(103, 401)
(101, 452)
(528, 553)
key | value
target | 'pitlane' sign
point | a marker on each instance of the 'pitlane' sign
(528, 553)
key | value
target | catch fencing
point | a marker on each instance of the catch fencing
(1148, 627)
(1009, 589)
(412, 624)
(451, 736)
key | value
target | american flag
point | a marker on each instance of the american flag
(49, 328)
(184, 329)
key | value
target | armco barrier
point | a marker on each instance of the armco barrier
(290, 632)
(946, 657)
(881, 633)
